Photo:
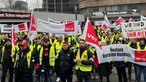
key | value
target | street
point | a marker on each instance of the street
(113, 77)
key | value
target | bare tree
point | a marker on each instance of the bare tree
(7, 3)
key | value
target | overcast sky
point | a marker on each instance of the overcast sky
(31, 3)
(34, 3)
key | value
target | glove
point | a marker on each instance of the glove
(37, 66)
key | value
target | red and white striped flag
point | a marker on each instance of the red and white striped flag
(32, 32)
(119, 21)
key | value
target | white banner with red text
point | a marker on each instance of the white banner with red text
(5, 28)
(134, 29)
(122, 52)
(45, 26)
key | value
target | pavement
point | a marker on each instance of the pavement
(113, 77)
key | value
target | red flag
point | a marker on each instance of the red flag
(32, 33)
(13, 37)
(104, 27)
(21, 26)
(140, 55)
(89, 35)
(70, 27)
(131, 20)
(119, 21)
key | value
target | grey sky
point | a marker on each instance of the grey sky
(34, 4)
(31, 3)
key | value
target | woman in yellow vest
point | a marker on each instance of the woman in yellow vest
(84, 62)
(139, 68)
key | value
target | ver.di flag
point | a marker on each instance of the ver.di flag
(32, 33)
(119, 21)
(131, 20)
(14, 43)
(90, 37)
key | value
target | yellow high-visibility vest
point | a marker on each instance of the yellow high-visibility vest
(58, 46)
(82, 67)
(51, 56)
(139, 48)
(53, 43)
(28, 55)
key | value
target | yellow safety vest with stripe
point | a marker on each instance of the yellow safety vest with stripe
(3, 52)
(129, 43)
(28, 55)
(51, 56)
(139, 48)
(103, 38)
(53, 43)
(58, 46)
(82, 67)
(91, 49)
(69, 40)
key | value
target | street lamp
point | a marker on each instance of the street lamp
(76, 4)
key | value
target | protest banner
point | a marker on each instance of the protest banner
(45, 26)
(134, 29)
(5, 28)
(122, 52)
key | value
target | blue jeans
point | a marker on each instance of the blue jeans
(139, 70)
(85, 79)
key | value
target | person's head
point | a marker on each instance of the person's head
(102, 43)
(65, 46)
(38, 40)
(53, 36)
(133, 40)
(119, 41)
(142, 41)
(23, 45)
(65, 35)
(46, 42)
(82, 43)
(8, 42)
(108, 39)
(60, 38)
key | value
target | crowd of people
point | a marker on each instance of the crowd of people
(49, 54)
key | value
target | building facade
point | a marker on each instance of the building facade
(60, 6)
(96, 9)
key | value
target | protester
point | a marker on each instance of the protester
(23, 71)
(121, 68)
(46, 61)
(6, 62)
(133, 44)
(104, 69)
(140, 68)
(65, 63)
(84, 62)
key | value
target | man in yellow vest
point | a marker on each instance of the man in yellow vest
(47, 61)
(6, 60)
(23, 67)
(84, 62)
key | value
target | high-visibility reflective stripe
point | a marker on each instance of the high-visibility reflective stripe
(80, 65)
